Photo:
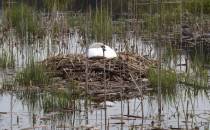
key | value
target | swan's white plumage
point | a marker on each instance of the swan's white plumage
(95, 50)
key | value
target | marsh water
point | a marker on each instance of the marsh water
(19, 113)
(184, 106)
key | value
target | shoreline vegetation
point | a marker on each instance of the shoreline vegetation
(32, 20)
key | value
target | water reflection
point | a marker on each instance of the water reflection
(182, 106)
(52, 110)
(41, 49)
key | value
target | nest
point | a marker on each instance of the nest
(110, 77)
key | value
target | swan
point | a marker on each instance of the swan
(100, 50)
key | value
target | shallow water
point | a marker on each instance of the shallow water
(30, 112)
(23, 115)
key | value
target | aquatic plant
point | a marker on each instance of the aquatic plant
(166, 17)
(61, 100)
(169, 56)
(167, 78)
(59, 26)
(33, 74)
(7, 84)
(102, 25)
(197, 6)
(52, 100)
(24, 19)
(6, 60)
(76, 21)
(55, 5)
(198, 78)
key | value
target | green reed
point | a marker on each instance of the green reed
(6, 60)
(32, 74)
(102, 25)
(24, 19)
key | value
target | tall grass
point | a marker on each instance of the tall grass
(24, 19)
(167, 78)
(55, 5)
(102, 26)
(197, 6)
(33, 74)
(76, 21)
(170, 16)
(198, 78)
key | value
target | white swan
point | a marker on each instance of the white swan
(100, 50)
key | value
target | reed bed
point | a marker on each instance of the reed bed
(6, 60)
(32, 74)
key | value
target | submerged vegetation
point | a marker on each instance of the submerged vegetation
(33, 74)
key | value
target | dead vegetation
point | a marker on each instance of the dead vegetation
(122, 75)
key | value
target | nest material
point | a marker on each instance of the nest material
(120, 73)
